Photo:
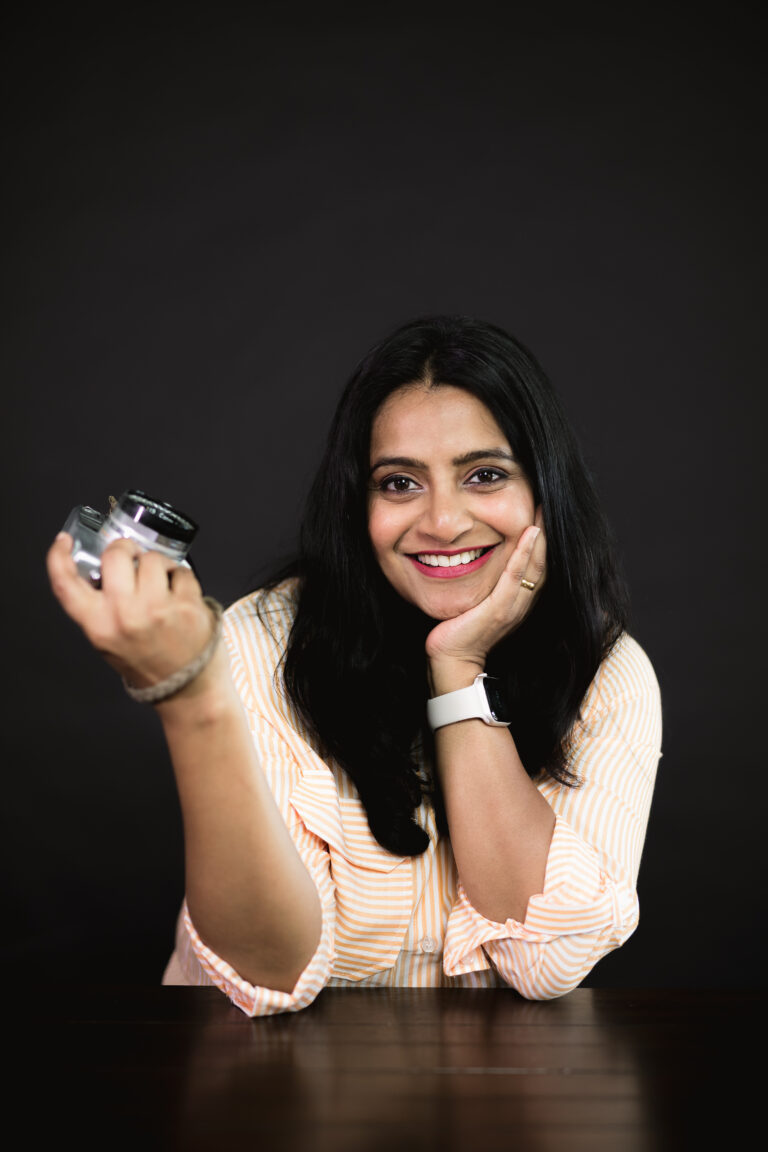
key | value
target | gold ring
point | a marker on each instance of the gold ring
(527, 584)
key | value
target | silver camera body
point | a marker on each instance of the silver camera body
(153, 524)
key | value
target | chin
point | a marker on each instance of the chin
(448, 607)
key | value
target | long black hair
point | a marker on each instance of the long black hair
(355, 664)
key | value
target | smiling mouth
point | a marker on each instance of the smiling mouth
(445, 565)
(446, 560)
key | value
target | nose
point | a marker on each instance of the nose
(446, 517)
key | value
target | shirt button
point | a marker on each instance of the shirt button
(428, 944)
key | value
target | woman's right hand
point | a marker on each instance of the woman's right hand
(149, 618)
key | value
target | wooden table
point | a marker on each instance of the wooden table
(363, 1071)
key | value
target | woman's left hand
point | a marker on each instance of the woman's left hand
(465, 641)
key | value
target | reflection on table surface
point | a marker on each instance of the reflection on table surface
(383, 1069)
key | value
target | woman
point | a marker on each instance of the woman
(339, 829)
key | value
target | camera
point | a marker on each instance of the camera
(153, 524)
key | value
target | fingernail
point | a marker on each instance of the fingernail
(536, 532)
(61, 535)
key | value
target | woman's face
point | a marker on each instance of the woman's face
(448, 502)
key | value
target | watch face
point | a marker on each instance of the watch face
(496, 699)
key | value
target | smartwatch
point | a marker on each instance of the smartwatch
(483, 700)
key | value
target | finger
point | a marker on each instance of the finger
(516, 571)
(184, 583)
(536, 569)
(518, 562)
(76, 596)
(153, 574)
(118, 567)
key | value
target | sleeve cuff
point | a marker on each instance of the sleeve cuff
(578, 899)
(251, 998)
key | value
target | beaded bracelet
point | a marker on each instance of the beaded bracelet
(164, 689)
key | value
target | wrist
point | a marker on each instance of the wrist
(205, 700)
(449, 675)
(484, 699)
(189, 678)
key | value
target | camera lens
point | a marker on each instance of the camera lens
(157, 515)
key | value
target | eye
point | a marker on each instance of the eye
(486, 476)
(397, 484)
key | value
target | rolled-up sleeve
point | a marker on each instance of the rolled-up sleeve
(589, 904)
(253, 999)
(282, 770)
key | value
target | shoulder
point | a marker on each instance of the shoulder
(618, 735)
(625, 674)
(257, 627)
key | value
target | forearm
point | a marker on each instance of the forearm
(249, 895)
(500, 825)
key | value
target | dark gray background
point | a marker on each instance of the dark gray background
(209, 217)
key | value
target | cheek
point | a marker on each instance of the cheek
(383, 530)
(511, 514)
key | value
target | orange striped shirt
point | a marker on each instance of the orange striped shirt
(391, 920)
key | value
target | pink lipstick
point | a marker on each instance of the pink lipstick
(439, 572)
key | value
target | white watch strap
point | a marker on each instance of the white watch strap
(465, 704)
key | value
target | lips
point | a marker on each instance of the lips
(451, 565)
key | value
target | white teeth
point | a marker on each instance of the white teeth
(435, 561)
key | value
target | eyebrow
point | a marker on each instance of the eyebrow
(458, 461)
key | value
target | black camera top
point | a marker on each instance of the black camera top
(158, 515)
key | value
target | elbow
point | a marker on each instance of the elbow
(562, 965)
(540, 988)
(285, 984)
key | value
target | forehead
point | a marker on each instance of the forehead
(418, 417)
